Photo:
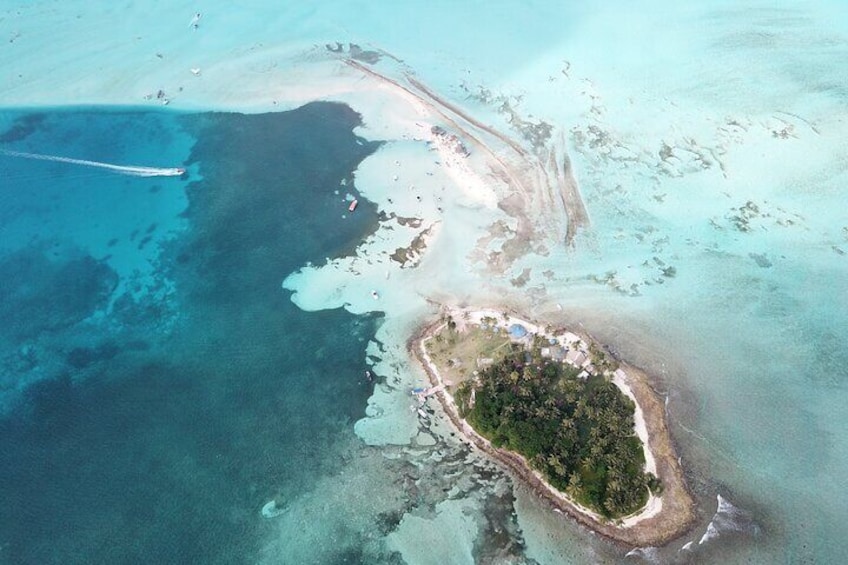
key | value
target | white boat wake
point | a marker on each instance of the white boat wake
(122, 169)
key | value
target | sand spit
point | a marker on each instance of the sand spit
(663, 518)
(569, 192)
(543, 183)
(563, 185)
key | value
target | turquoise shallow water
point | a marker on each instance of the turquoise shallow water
(746, 338)
(157, 423)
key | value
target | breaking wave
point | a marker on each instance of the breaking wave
(728, 518)
(649, 554)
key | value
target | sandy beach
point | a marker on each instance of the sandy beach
(662, 519)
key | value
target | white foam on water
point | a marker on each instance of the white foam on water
(728, 518)
(272, 510)
(132, 170)
(711, 533)
(648, 554)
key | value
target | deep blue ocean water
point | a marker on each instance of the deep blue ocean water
(157, 384)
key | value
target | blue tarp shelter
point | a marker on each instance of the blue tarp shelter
(517, 331)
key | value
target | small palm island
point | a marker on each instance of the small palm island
(583, 429)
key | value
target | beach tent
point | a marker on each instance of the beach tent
(517, 331)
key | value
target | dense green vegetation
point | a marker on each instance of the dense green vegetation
(577, 432)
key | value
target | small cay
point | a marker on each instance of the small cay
(581, 428)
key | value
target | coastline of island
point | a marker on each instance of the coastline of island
(664, 517)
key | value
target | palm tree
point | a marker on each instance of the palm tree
(556, 464)
(597, 450)
(513, 377)
(575, 484)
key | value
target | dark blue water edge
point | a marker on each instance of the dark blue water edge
(158, 422)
